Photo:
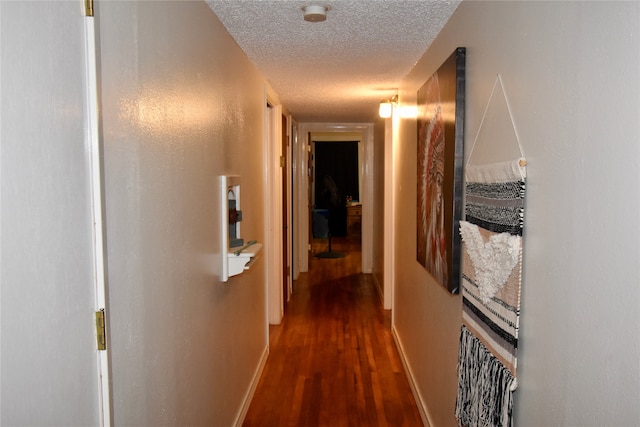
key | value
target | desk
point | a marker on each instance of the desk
(354, 220)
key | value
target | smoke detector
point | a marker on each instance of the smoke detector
(315, 13)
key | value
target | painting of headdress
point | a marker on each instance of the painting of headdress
(440, 159)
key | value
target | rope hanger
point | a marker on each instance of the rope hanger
(523, 161)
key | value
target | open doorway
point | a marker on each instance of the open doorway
(336, 183)
(305, 198)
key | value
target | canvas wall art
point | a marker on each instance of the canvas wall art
(440, 159)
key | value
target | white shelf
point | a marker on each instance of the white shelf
(238, 262)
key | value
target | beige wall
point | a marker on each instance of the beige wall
(181, 105)
(570, 70)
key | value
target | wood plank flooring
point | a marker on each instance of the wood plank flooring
(333, 361)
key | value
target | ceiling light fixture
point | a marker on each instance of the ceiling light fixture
(386, 106)
(315, 13)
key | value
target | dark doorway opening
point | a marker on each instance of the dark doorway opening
(337, 177)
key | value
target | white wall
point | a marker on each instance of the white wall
(49, 370)
(181, 105)
(570, 70)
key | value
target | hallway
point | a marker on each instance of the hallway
(333, 361)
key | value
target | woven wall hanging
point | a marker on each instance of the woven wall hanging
(491, 283)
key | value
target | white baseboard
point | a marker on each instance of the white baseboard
(422, 407)
(252, 388)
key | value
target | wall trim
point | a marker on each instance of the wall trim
(248, 397)
(422, 406)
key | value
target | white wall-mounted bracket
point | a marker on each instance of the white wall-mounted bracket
(243, 258)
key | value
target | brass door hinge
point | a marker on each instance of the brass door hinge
(283, 161)
(101, 334)
(88, 7)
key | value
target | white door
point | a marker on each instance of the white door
(50, 363)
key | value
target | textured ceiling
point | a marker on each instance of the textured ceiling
(337, 70)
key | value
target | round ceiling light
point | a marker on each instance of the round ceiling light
(315, 13)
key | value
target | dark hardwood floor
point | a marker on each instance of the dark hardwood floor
(332, 361)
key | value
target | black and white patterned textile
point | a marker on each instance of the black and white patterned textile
(491, 283)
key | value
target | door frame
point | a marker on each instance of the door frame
(301, 202)
(285, 174)
(273, 210)
(279, 143)
(97, 196)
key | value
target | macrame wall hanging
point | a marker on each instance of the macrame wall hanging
(491, 282)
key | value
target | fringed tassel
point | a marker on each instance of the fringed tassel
(485, 386)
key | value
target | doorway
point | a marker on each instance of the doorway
(336, 183)
(366, 171)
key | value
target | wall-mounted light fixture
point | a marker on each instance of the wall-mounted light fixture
(387, 105)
